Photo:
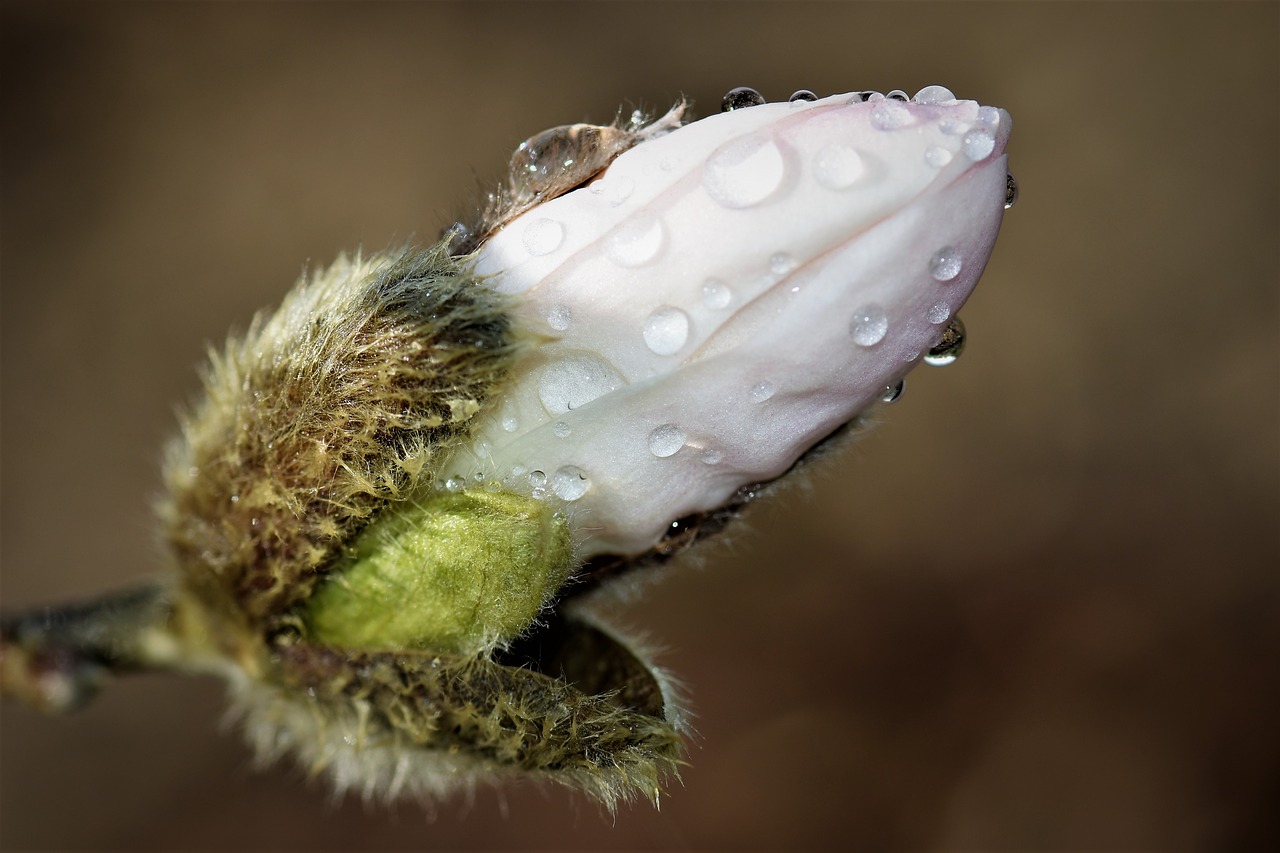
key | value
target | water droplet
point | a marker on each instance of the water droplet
(952, 127)
(572, 382)
(890, 114)
(937, 156)
(666, 440)
(543, 236)
(989, 117)
(938, 313)
(762, 391)
(510, 424)
(711, 457)
(1010, 191)
(537, 479)
(978, 144)
(570, 483)
(561, 429)
(870, 325)
(934, 95)
(837, 166)
(614, 190)
(455, 483)
(740, 98)
(802, 96)
(858, 97)
(559, 318)
(636, 241)
(716, 295)
(893, 392)
(897, 95)
(945, 264)
(744, 171)
(518, 470)
(949, 348)
(666, 330)
(780, 263)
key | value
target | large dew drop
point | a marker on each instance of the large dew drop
(666, 330)
(744, 171)
(869, 326)
(948, 349)
(543, 236)
(636, 241)
(570, 483)
(575, 381)
(934, 95)
(666, 440)
(837, 166)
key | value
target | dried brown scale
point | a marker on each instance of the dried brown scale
(288, 456)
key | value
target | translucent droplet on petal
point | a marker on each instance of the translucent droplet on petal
(978, 144)
(570, 483)
(893, 392)
(559, 318)
(837, 166)
(802, 96)
(938, 313)
(1010, 191)
(572, 382)
(740, 98)
(666, 330)
(666, 440)
(561, 429)
(716, 294)
(869, 326)
(543, 236)
(945, 264)
(937, 156)
(890, 114)
(762, 391)
(934, 95)
(636, 241)
(949, 348)
(744, 171)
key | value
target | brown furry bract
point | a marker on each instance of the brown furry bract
(319, 415)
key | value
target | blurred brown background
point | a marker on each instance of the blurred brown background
(1036, 608)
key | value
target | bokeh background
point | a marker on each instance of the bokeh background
(1036, 608)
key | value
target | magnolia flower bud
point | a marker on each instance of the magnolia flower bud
(382, 513)
(723, 297)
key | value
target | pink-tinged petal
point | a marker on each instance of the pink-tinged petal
(726, 295)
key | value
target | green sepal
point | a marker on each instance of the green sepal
(458, 572)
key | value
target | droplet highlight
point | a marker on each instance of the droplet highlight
(869, 325)
(666, 440)
(543, 236)
(744, 172)
(570, 483)
(666, 330)
(837, 166)
(636, 241)
(948, 349)
(945, 264)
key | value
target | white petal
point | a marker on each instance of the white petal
(747, 283)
